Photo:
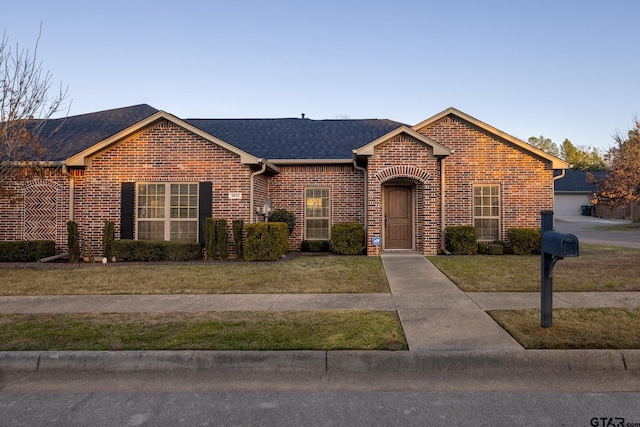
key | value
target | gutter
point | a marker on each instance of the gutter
(251, 188)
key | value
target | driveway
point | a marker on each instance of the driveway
(586, 229)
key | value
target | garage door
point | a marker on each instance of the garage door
(569, 204)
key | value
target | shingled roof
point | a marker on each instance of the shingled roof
(576, 182)
(69, 136)
(288, 138)
(293, 139)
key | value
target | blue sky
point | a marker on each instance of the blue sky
(562, 69)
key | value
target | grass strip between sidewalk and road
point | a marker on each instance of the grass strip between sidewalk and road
(573, 328)
(239, 330)
(302, 274)
(599, 268)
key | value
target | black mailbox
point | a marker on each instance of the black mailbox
(559, 244)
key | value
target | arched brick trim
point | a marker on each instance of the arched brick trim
(403, 172)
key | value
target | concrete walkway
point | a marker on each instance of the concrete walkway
(435, 314)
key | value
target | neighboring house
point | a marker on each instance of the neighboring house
(157, 177)
(573, 191)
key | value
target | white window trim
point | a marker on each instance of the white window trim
(498, 217)
(167, 207)
(328, 218)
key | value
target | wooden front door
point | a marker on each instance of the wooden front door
(398, 217)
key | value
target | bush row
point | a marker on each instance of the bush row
(152, 250)
(26, 250)
(462, 240)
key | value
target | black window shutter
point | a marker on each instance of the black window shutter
(204, 207)
(127, 206)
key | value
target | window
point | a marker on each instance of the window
(167, 211)
(317, 213)
(486, 211)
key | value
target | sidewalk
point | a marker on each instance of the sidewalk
(445, 328)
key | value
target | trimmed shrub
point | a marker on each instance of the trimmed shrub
(222, 238)
(347, 238)
(483, 248)
(216, 238)
(73, 241)
(26, 250)
(209, 238)
(108, 238)
(462, 240)
(315, 246)
(524, 241)
(238, 228)
(283, 215)
(266, 241)
(495, 249)
(155, 250)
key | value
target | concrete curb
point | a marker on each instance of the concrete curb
(319, 361)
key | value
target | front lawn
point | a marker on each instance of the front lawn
(598, 268)
(292, 330)
(584, 328)
(302, 274)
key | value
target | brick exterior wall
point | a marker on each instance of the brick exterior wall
(404, 160)
(40, 211)
(166, 152)
(346, 194)
(526, 185)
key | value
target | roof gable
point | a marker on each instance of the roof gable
(438, 149)
(80, 158)
(554, 162)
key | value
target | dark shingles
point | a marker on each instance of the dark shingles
(577, 181)
(288, 138)
(67, 137)
(292, 138)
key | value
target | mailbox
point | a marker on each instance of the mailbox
(559, 244)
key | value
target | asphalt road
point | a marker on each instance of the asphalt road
(207, 398)
(586, 229)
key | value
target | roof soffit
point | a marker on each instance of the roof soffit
(553, 161)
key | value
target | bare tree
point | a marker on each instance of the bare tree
(26, 103)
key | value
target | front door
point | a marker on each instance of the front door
(398, 217)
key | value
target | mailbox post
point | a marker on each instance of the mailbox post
(554, 247)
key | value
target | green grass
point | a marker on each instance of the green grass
(302, 274)
(293, 330)
(598, 268)
(585, 328)
(630, 227)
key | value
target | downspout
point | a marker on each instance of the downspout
(366, 193)
(442, 210)
(564, 171)
(72, 190)
(251, 185)
(561, 174)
